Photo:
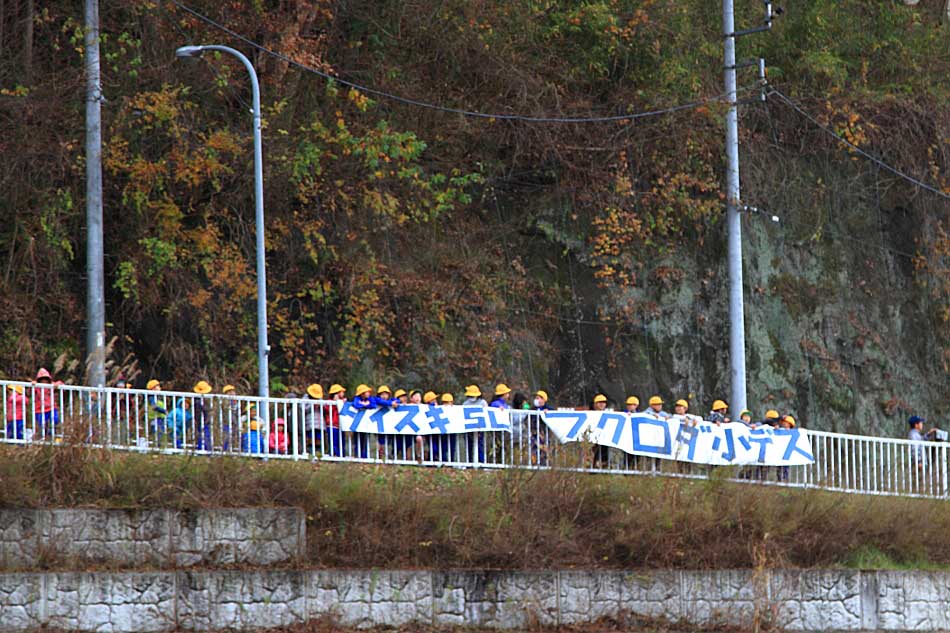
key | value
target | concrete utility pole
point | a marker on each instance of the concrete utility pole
(733, 202)
(96, 311)
(263, 381)
(733, 220)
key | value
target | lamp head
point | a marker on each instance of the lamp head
(189, 51)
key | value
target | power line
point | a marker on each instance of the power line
(874, 159)
(432, 106)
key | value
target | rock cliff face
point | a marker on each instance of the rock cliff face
(840, 327)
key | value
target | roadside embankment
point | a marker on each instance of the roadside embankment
(390, 517)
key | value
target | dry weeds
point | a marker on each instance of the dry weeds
(409, 517)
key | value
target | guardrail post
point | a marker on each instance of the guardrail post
(943, 470)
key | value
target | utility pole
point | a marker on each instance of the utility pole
(733, 201)
(733, 221)
(95, 302)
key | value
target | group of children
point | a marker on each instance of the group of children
(45, 412)
(181, 422)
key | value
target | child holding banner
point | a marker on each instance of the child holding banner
(631, 462)
(537, 431)
(785, 422)
(444, 446)
(601, 456)
(397, 444)
(655, 409)
(473, 398)
(331, 422)
(363, 400)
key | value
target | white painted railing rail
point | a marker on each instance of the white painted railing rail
(306, 429)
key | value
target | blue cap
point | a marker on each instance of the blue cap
(914, 419)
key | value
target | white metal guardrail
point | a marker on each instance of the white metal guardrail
(303, 429)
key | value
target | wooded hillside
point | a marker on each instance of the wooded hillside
(432, 249)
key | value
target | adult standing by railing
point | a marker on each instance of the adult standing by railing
(920, 473)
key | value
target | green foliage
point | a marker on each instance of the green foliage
(122, 54)
(874, 47)
(58, 206)
(386, 175)
(161, 255)
(126, 281)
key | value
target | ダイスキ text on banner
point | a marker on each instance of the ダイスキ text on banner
(415, 419)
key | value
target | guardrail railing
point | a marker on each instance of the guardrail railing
(306, 429)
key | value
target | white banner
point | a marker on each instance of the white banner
(421, 419)
(682, 438)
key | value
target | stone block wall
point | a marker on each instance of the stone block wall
(150, 538)
(183, 597)
(812, 600)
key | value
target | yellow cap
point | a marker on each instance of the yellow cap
(789, 419)
(633, 400)
(447, 397)
(202, 387)
(228, 389)
(361, 389)
(253, 425)
(384, 389)
(719, 404)
(399, 393)
(151, 384)
(335, 389)
(18, 389)
(600, 398)
(430, 396)
(472, 391)
(656, 400)
(542, 394)
(502, 389)
(682, 403)
(771, 414)
(315, 391)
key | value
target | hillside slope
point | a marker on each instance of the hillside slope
(424, 247)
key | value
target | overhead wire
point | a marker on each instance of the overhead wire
(447, 109)
(874, 159)
(573, 120)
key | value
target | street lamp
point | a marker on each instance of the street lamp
(262, 347)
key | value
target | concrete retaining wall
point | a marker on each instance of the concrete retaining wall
(161, 601)
(150, 538)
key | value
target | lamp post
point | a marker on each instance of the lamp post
(262, 347)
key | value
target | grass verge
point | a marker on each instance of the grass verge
(409, 517)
